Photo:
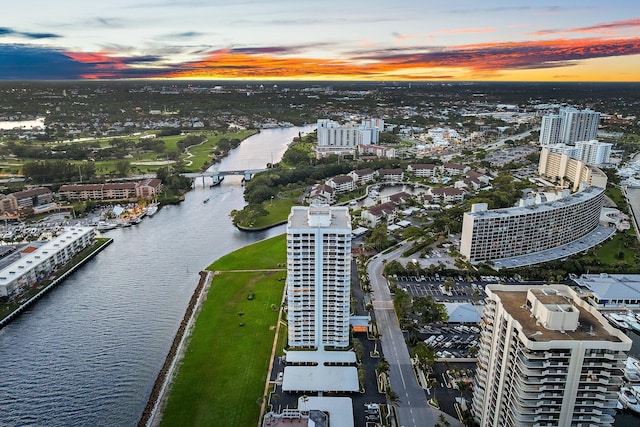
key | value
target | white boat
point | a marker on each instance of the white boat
(632, 370)
(629, 399)
(152, 209)
(617, 320)
(104, 225)
(633, 322)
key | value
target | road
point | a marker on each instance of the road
(412, 409)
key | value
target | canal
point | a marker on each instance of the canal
(89, 352)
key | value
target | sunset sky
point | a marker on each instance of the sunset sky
(573, 40)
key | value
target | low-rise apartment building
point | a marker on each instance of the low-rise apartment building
(36, 265)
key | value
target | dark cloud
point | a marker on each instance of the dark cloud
(187, 34)
(19, 62)
(4, 31)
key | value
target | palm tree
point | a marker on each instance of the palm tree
(376, 337)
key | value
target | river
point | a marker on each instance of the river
(89, 352)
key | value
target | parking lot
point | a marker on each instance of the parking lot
(459, 291)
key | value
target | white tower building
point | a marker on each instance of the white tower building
(546, 358)
(550, 129)
(578, 125)
(319, 276)
(593, 152)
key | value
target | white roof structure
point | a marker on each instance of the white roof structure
(462, 313)
(320, 357)
(340, 409)
(612, 287)
(320, 370)
(320, 378)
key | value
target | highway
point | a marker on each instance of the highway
(412, 408)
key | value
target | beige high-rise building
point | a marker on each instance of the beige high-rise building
(546, 358)
(568, 171)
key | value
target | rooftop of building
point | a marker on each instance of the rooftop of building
(303, 217)
(575, 198)
(612, 286)
(590, 327)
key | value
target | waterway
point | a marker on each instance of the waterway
(89, 352)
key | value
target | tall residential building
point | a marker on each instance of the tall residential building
(578, 125)
(550, 129)
(336, 138)
(569, 171)
(318, 276)
(569, 126)
(546, 358)
(593, 152)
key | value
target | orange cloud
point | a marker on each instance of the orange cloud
(469, 30)
(604, 28)
(473, 61)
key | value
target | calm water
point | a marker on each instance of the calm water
(88, 353)
(24, 124)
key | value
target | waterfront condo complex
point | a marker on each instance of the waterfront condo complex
(318, 276)
(37, 263)
(546, 358)
(501, 233)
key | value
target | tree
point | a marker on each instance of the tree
(122, 167)
(376, 337)
(392, 396)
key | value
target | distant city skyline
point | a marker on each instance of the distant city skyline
(460, 40)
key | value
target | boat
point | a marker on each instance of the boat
(218, 182)
(618, 321)
(152, 209)
(632, 370)
(104, 225)
(629, 399)
(633, 322)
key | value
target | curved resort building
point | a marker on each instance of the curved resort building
(502, 233)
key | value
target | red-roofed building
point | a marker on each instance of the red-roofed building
(423, 170)
(342, 183)
(376, 214)
(447, 195)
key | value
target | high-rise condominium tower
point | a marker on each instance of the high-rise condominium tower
(318, 276)
(546, 358)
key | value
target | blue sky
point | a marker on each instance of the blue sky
(371, 40)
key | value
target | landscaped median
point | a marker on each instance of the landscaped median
(222, 375)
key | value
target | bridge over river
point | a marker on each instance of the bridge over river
(218, 176)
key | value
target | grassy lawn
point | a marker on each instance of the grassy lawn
(279, 210)
(262, 255)
(608, 253)
(199, 159)
(223, 373)
(201, 152)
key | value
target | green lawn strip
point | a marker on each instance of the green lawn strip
(225, 365)
(224, 368)
(266, 254)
